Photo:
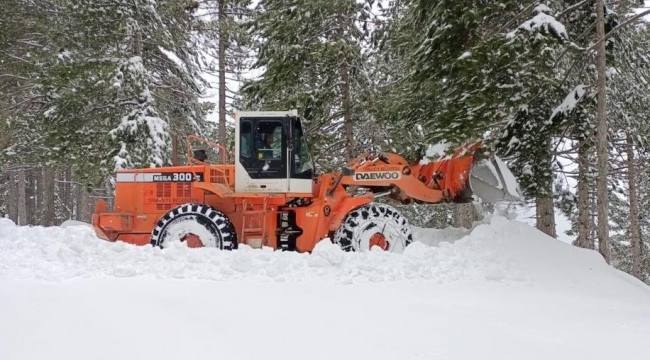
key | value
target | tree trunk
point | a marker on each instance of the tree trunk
(222, 74)
(22, 198)
(137, 43)
(47, 194)
(594, 215)
(584, 220)
(464, 215)
(546, 215)
(601, 186)
(544, 201)
(635, 228)
(66, 190)
(347, 112)
(12, 206)
(32, 196)
(83, 205)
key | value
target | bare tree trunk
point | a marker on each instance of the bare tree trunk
(222, 74)
(66, 193)
(32, 197)
(344, 73)
(635, 228)
(47, 191)
(174, 149)
(601, 181)
(464, 215)
(584, 220)
(22, 198)
(137, 43)
(12, 207)
(347, 111)
(593, 233)
(546, 215)
(544, 205)
(83, 205)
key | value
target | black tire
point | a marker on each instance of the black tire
(210, 222)
(366, 220)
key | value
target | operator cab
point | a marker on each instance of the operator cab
(271, 154)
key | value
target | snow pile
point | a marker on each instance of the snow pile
(433, 237)
(497, 250)
(60, 253)
(6, 222)
(503, 287)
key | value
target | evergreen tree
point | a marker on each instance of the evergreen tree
(312, 60)
(126, 76)
(226, 47)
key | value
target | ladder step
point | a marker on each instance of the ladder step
(253, 229)
(254, 212)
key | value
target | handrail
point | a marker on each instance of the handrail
(221, 149)
(228, 180)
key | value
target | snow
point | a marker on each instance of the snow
(70, 223)
(64, 55)
(434, 237)
(570, 101)
(143, 115)
(50, 112)
(186, 225)
(514, 141)
(122, 159)
(464, 55)
(543, 21)
(435, 152)
(173, 57)
(502, 290)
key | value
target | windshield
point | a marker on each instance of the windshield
(303, 164)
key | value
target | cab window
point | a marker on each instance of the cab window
(245, 138)
(269, 140)
(302, 166)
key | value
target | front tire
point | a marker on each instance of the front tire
(197, 225)
(374, 225)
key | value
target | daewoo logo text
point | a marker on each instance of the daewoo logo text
(378, 175)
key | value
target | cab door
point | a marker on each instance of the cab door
(301, 169)
(261, 152)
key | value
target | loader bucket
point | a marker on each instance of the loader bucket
(492, 181)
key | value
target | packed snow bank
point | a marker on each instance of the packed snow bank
(497, 250)
(134, 319)
(503, 287)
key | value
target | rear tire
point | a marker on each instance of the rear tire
(374, 224)
(195, 222)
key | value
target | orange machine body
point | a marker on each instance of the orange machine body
(143, 196)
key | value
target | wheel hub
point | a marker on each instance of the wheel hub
(378, 239)
(193, 241)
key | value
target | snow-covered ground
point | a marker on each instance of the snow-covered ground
(501, 291)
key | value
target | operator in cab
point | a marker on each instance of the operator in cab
(269, 149)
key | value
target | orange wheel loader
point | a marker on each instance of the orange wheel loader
(268, 194)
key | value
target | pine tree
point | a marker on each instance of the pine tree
(628, 77)
(226, 47)
(313, 61)
(127, 76)
(484, 72)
